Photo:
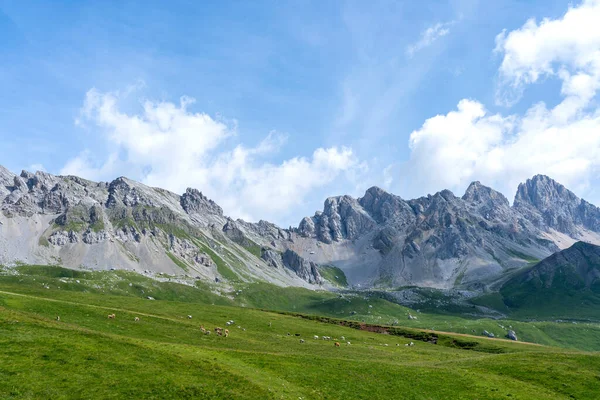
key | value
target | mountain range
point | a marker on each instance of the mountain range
(379, 240)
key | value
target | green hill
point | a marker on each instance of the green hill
(565, 285)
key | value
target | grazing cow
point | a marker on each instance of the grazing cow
(349, 343)
(189, 317)
(111, 316)
(58, 318)
(137, 319)
(386, 345)
(206, 332)
(342, 338)
(226, 332)
(301, 340)
(337, 344)
(315, 337)
(411, 344)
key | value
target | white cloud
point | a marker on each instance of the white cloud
(563, 142)
(169, 146)
(568, 48)
(428, 36)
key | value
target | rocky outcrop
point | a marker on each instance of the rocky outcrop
(272, 258)
(235, 234)
(265, 230)
(342, 218)
(6, 180)
(62, 238)
(511, 335)
(305, 269)
(384, 207)
(194, 202)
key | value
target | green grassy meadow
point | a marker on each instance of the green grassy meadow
(165, 355)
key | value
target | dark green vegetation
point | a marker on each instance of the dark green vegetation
(164, 355)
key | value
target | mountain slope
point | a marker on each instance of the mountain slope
(123, 224)
(566, 284)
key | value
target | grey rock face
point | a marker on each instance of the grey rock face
(6, 180)
(234, 233)
(266, 230)
(342, 218)
(384, 207)
(91, 237)
(62, 238)
(305, 269)
(271, 257)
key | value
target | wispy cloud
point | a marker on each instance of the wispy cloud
(429, 36)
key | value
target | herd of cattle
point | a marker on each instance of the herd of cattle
(225, 332)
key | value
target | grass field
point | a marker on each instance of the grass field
(165, 355)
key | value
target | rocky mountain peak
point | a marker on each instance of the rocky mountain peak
(342, 218)
(6, 180)
(548, 204)
(543, 192)
(383, 206)
(478, 193)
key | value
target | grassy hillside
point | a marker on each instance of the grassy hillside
(164, 355)
(564, 286)
(68, 284)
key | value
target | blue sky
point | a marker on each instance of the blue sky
(294, 100)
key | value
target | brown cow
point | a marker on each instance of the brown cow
(111, 316)
(226, 332)
(337, 344)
